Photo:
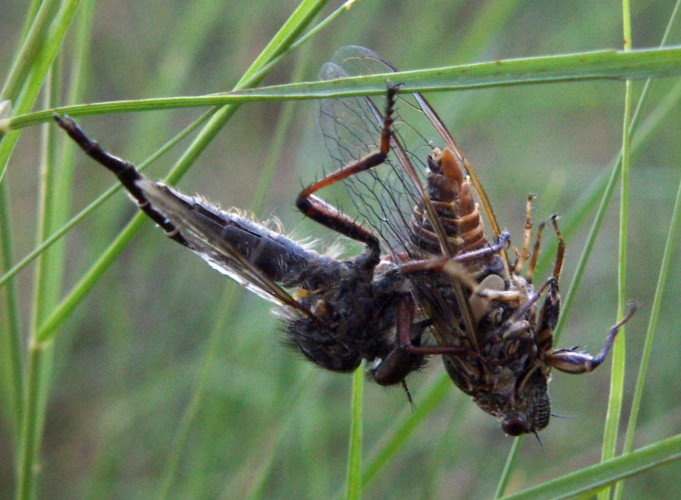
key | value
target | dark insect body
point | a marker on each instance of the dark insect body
(429, 281)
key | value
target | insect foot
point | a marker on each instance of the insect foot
(571, 361)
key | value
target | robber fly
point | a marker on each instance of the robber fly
(429, 281)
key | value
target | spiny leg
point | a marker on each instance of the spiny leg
(560, 253)
(577, 362)
(535, 254)
(525, 250)
(441, 263)
(328, 215)
(550, 311)
(548, 316)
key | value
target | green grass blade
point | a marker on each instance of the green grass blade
(40, 64)
(33, 407)
(657, 299)
(669, 247)
(11, 340)
(604, 64)
(32, 44)
(593, 479)
(345, 7)
(509, 466)
(47, 284)
(353, 481)
(32, 424)
(33, 38)
(398, 435)
(615, 399)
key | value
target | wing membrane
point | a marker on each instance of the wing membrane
(384, 197)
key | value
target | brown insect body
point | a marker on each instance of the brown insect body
(495, 338)
(485, 310)
(501, 368)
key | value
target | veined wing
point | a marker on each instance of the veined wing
(251, 254)
(384, 197)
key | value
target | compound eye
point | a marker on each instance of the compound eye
(514, 426)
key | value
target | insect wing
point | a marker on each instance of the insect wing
(208, 231)
(205, 228)
(385, 197)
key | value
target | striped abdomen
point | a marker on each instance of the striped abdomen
(450, 194)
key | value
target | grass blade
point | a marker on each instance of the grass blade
(614, 413)
(597, 65)
(592, 479)
(353, 481)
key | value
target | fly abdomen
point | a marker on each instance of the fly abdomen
(450, 194)
(230, 241)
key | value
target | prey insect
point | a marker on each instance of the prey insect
(430, 280)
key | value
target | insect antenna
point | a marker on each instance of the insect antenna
(539, 441)
(408, 392)
(556, 415)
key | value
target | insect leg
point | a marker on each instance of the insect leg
(440, 263)
(497, 247)
(125, 171)
(402, 360)
(550, 311)
(525, 251)
(408, 355)
(329, 216)
(535, 254)
(572, 361)
(560, 254)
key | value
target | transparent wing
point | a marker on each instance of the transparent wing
(249, 253)
(384, 197)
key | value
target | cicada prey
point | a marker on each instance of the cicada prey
(426, 204)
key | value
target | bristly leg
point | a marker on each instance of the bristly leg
(535, 254)
(524, 251)
(560, 253)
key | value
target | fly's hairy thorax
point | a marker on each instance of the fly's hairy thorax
(352, 315)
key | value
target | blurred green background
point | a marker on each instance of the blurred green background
(127, 360)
